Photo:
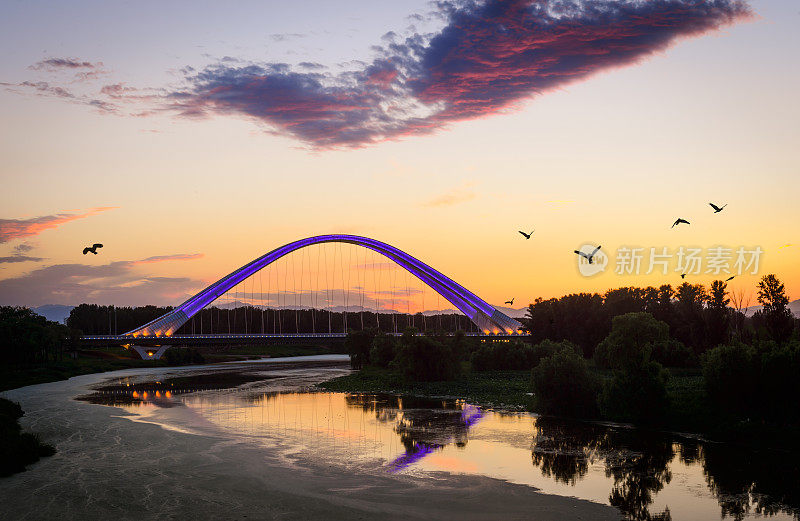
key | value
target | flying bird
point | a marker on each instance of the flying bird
(730, 278)
(587, 256)
(527, 235)
(679, 221)
(716, 208)
(93, 249)
(510, 302)
(683, 275)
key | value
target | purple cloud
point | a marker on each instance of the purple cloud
(490, 56)
(19, 258)
(64, 63)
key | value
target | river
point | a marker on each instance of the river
(256, 440)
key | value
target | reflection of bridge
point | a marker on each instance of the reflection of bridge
(488, 319)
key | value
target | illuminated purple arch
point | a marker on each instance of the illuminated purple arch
(487, 318)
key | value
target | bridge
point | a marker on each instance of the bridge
(487, 319)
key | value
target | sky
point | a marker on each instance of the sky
(190, 138)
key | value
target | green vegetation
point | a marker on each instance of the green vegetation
(34, 350)
(563, 384)
(506, 389)
(672, 359)
(495, 356)
(17, 449)
(637, 390)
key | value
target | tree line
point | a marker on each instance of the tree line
(30, 339)
(698, 317)
(93, 319)
(611, 356)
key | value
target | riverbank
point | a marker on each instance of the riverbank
(101, 360)
(17, 449)
(690, 411)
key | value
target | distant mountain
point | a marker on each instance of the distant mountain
(794, 307)
(513, 313)
(54, 312)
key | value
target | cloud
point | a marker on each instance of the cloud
(453, 197)
(83, 70)
(115, 282)
(489, 57)
(23, 247)
(11, 229)
(19, 258)
(45, 88)
(20, 254)
(177, 256)
(64, 63)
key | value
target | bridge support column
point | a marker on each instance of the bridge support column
(150, 353)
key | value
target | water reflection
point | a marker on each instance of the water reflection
(424, 425)
(647, 475)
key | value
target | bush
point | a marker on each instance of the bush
(673, 353)
(358, 344)
(17, 449)
(493, 356)
(421, 358)
(384, 350)
(496, 356)
(636, 394)
(631, 341)
(562, 384)
(729, 374)
(780, 382)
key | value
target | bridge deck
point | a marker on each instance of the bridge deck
(131, 338)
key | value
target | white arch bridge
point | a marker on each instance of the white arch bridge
(488, 320)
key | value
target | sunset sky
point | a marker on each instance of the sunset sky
(192, 137)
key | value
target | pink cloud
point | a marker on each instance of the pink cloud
(11, 229)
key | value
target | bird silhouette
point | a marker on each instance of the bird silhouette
(588, 256)
(527, 235)
(683, 275)
(730, 278)
(679, 221)
(716, 208)
(93, 249)
(510, 302)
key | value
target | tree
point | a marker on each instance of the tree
(638, 389)
(563, 385)
(718, 313)
(383, 350)
(422, 358)
(358, 344)
(777, 317)
(690, 326)
(631, 341)
(729, 372)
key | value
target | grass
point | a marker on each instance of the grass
(14, 377)
(100, 360)
(689, 411)
(502, 389)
